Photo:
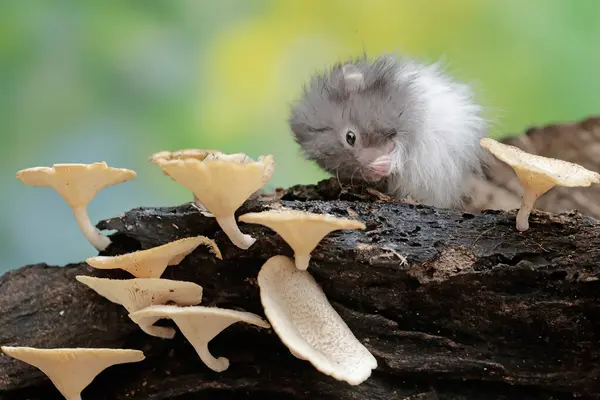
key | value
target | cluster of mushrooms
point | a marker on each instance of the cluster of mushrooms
(294, 304)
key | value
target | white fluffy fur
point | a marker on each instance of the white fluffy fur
(434, 168)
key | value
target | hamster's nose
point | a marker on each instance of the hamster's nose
(379, 168)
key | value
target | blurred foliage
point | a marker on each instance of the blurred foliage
(84, 81)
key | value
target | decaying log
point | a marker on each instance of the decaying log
(453, 305)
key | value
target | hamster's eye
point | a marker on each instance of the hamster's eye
(350, 138)
(391, 133)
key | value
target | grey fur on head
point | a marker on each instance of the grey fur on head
(392, 121)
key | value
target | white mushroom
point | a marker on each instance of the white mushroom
(151, 263)
(197, 154)
(138, 293)
(221, 183)
(78, 184)
(538, 174)
(308, 325)
(72, 370)
(198, 324)
(301, 230)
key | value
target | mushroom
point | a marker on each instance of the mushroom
(197, 154)
(135, 294)
(538, 174)
(301, 230)
(307, 324)
(72, 370)
(78, 184)
(151, 263)
(221, 183)
(198, 324)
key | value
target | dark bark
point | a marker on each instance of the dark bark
(479, 311)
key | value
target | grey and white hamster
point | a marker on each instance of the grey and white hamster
(394, 122)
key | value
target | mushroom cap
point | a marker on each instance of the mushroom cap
(301, 230)
(549, 171)
(78, 184)
(138, 293)
(204, 316)
(198, 154)
(198, 324)
(308, 325)
(71, 370)
(152, 262)
(222, 182)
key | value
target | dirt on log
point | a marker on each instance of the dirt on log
(453, 305)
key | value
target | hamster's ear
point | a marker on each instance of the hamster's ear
(353, 78)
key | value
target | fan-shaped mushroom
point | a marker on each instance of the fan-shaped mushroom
(538, 174)
(198, 324)
(197, 154)
(72, 370)
(301, 230)
(307, 324)
(200, 155)
(138, 293)
(222, 183)
(78, 184)
(151, 263)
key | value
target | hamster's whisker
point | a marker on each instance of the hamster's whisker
(337, 173)
(362, 174)
(352, 176)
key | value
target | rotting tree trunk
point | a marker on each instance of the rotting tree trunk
(478, 311)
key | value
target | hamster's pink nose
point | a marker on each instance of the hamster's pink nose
(379, 168)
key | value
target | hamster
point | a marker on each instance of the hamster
(397, 124)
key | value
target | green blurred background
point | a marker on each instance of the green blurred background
(115, 81)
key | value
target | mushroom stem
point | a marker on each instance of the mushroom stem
(302, 261)
(148, 326)
(216, 364)
(527, 203)
(76, 398)
(98, 240)
(232, 231)
(201, 207)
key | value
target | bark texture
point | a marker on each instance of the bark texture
(454, 305)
